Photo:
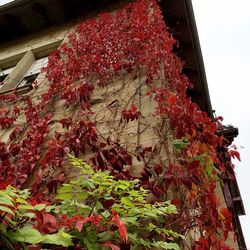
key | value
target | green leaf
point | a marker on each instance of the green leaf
(14, 223)
(151, 227)
(209, 169)
(170, 209)
(180, 144)
(139, 241)
(61, 238)
(98, 206)
(7, 210)
(3, 229)
(92, 236)
(167, 246)
(66, 188)
(24, 194)
(135, 211)
(6, 200)
(82, 195)
(64, 196)
(29, 215)
(131, 220)
(126, 201)
(105, 236)
(122, 185)
(107, 196)
(48, 209)
(86, 169)
(170, 232)
(25, 207)
(11, 191)
(135, 193)
(39, 207)
(106, 214)
(26, 234)
(117, 208)
(90, 245)
(21, 201)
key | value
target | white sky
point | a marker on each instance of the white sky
(5, 1)
(224, 31)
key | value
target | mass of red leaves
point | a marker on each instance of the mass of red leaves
(135, 37)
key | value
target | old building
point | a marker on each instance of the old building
(31, 30)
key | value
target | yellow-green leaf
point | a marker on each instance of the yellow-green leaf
(7, 210)
(27, 234)
(61, 238)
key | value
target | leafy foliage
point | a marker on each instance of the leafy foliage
(114, 211)
(184, 165)
(96, 212)
(17, 226)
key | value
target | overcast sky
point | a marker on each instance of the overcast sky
(4, 1)
(224, 31)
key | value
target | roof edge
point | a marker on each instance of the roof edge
(198, 53)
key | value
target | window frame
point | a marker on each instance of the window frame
(34, 55)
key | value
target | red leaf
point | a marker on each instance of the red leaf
(172, 99)
(133, 108)
(46, 223)
(80, 223)
(4, 184)
(234, 154)
(225, 213)
(95, 219)
(112, 246)
(131, 114)
(175, 202)
(121, 226)
(203, 244)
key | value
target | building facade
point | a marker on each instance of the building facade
(114, 95)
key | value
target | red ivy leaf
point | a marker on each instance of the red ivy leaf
(121, 226)
(175, 202)
(234, 154)
(172, 99)
(203, 244)
(131, 114)
(133, 108)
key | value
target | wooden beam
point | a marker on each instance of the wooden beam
(42, 12)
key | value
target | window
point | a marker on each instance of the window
(27, 67)
(21, 76)
(4, 73)
(27, 81)
(33, 72)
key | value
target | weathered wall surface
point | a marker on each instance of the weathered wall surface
(14, 54)
(123, 91)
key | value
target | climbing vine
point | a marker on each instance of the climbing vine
(122, 61)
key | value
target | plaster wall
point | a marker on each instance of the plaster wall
(107, 103)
